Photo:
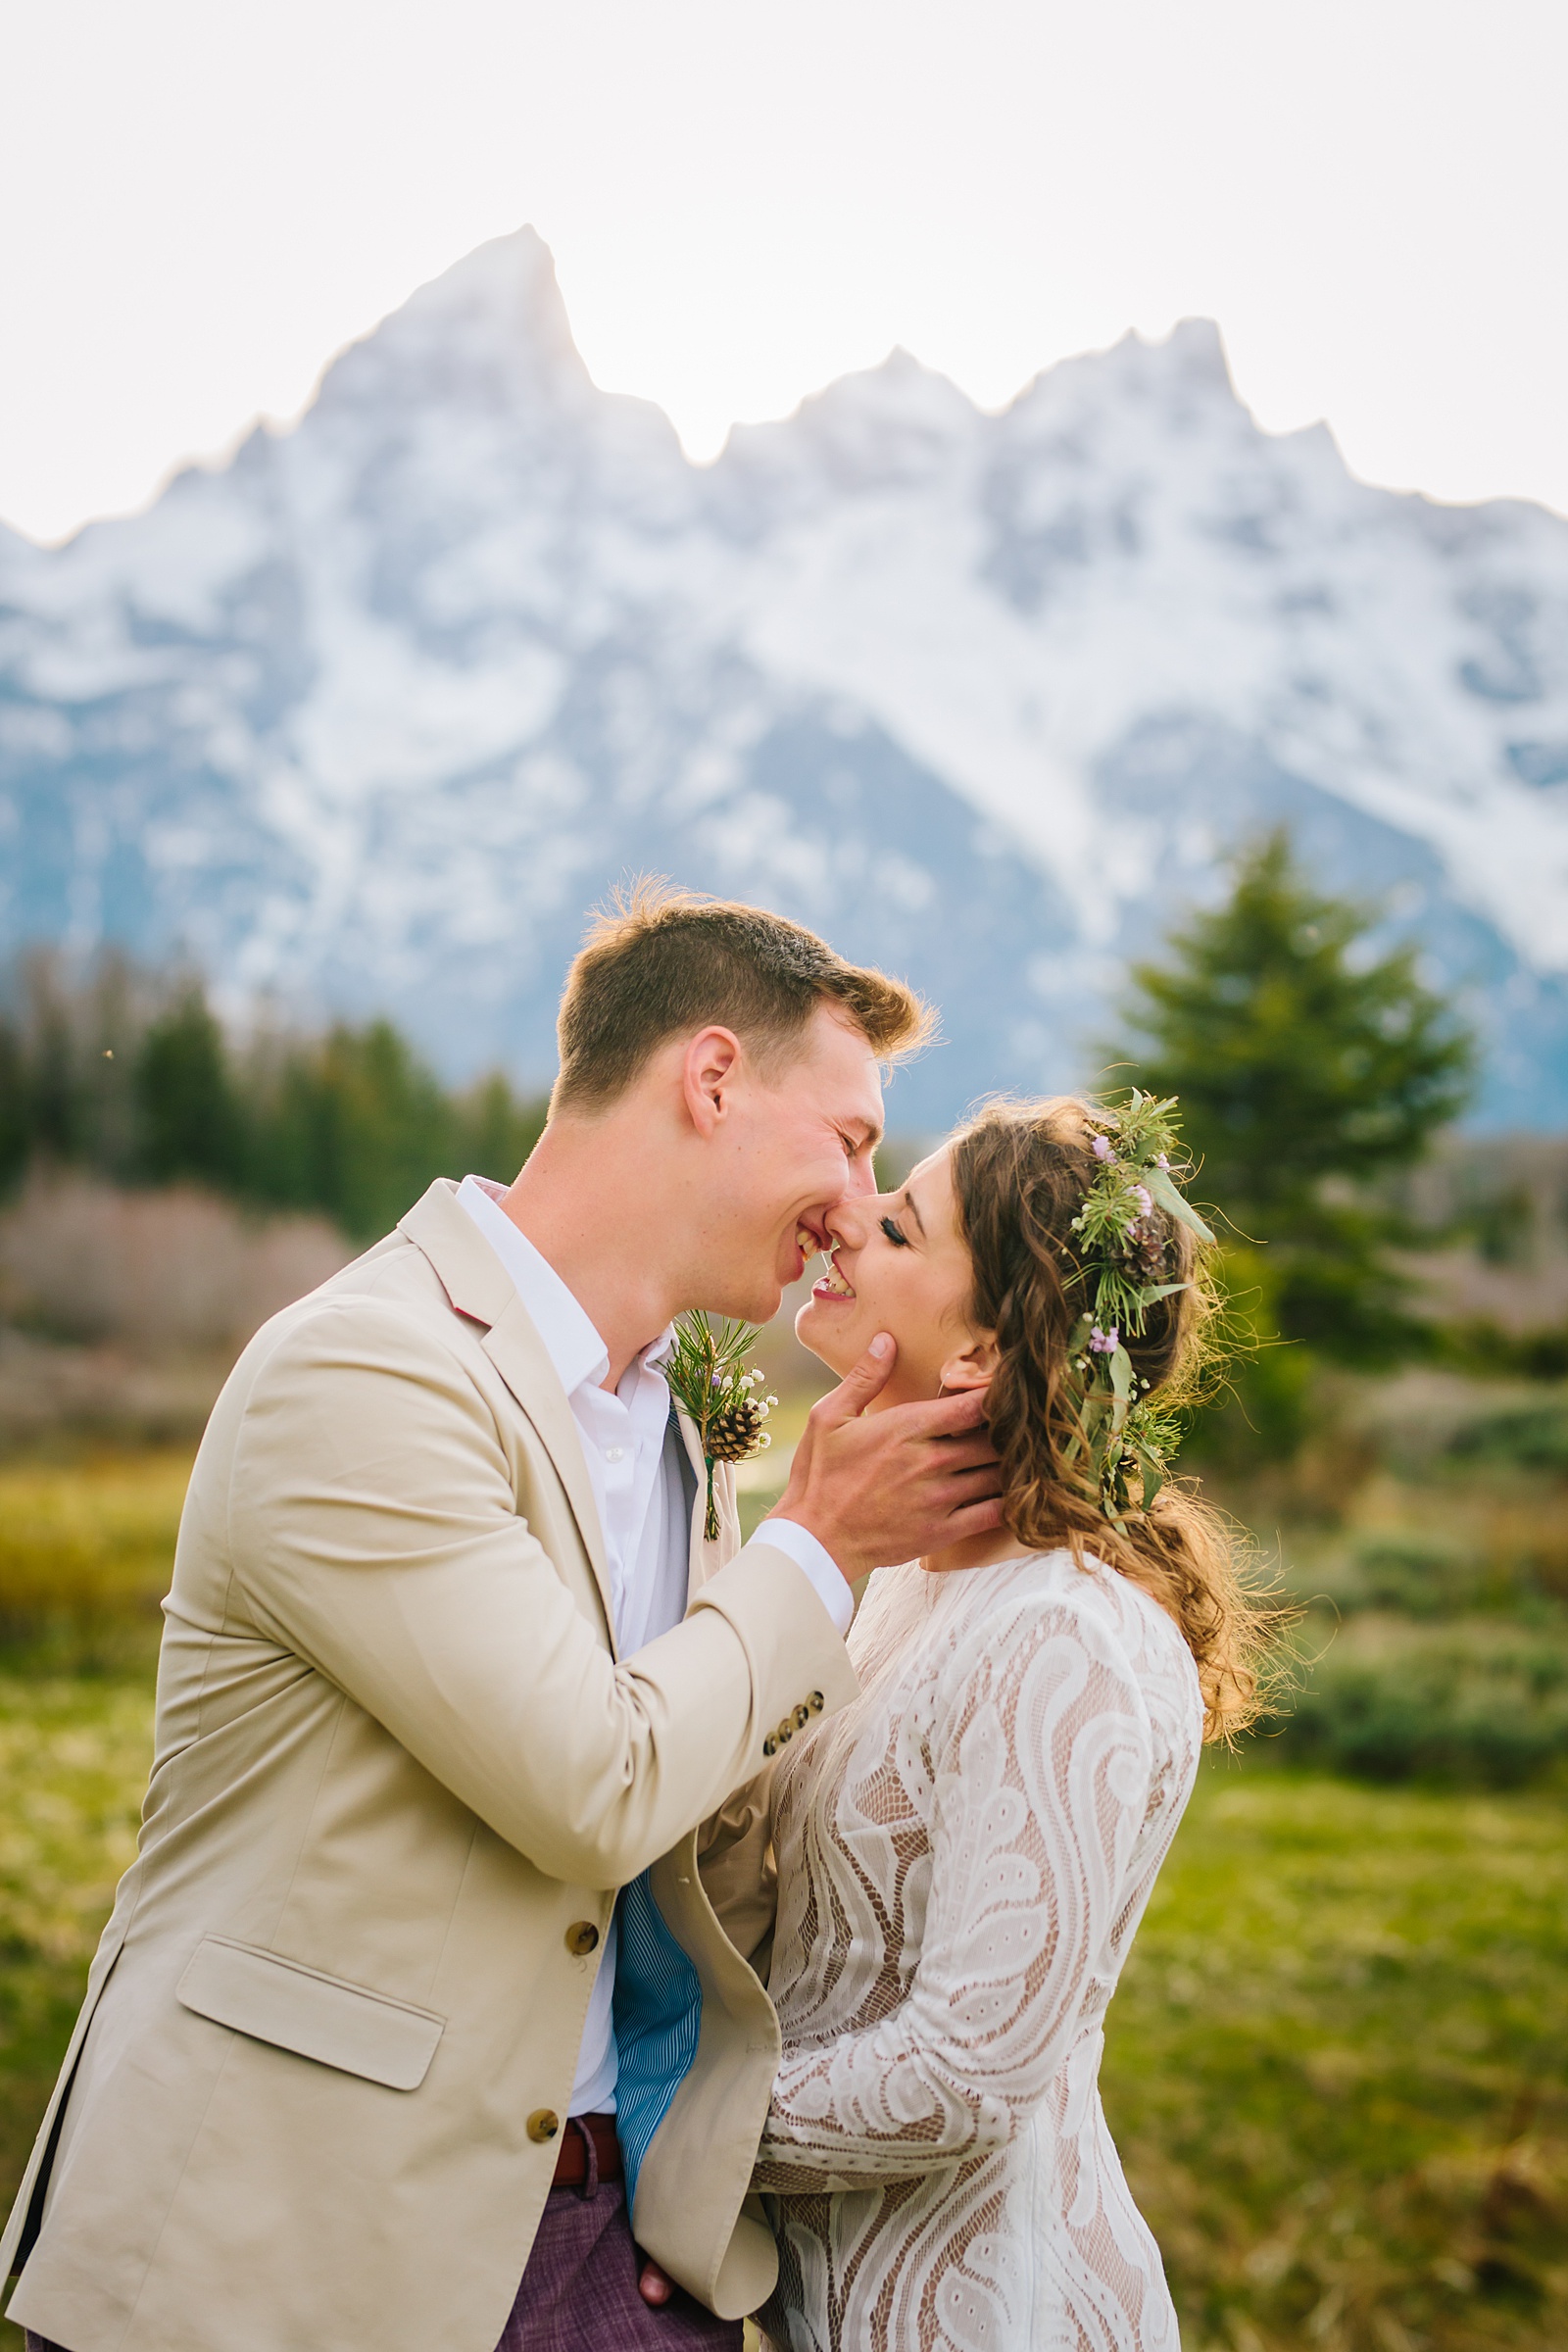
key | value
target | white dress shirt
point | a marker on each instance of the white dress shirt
(635, 1467)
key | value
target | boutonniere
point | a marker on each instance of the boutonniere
(707, 1380)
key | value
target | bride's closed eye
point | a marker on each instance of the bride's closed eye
(899, 1240)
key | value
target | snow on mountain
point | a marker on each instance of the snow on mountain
(369, 717)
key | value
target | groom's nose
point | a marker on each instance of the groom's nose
(847, 1221)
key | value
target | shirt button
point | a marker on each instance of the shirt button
(613, 1454)
(543, 2124)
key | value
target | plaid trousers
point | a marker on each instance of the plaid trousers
(579, 2290)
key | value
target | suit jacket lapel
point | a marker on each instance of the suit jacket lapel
(479, 1287)
(518, 1354)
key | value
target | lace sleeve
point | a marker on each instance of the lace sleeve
(1040, 1760)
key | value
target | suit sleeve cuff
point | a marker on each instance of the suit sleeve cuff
(815, 1562)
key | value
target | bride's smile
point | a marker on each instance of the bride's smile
(899, 1265)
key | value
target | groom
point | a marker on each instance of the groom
(371, 2059)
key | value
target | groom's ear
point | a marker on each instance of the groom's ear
(707, 1073)
(971, 1367)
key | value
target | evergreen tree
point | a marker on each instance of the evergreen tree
(189, 1122)
(16, 1138)
(55, 1092)
(354, 1125)
(496, 1129)
(66, 1084)
(1310, 1066)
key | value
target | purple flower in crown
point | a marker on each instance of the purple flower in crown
(1145, 1198)
(1162, 1161)
(1105, 1343)
(1101, 1148)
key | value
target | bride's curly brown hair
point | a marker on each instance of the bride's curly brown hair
(1019, 1174)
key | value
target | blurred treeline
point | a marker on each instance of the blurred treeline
(130, 1076)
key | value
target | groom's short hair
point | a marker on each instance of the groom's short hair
(658, 961)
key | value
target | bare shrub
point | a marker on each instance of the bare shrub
(52, 1395)
(152, 1273)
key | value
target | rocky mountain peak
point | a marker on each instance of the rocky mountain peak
(369, 715)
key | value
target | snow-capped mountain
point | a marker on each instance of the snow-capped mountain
(369, 717)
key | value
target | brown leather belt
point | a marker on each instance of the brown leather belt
(590, 2152)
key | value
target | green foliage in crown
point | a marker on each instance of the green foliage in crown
(1122, 1443)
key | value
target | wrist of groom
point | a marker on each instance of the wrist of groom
(815, 1563)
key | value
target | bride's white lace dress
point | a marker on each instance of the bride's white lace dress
(963, 1855)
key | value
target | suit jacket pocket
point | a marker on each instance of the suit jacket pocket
(316, 2015)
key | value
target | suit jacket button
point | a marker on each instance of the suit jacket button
(770, 1746)
(582, 1938)
(543, 2124)
(803, 1716)
(816, 1703)
(786, 1731)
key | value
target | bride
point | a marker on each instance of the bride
(965, 1851)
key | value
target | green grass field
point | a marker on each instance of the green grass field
(73, 1759)
(1337, 2067)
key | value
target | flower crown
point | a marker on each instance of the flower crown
(1121, 1443)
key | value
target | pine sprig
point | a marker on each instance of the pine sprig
(706, 1379)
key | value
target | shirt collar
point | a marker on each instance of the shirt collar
(572, 1343)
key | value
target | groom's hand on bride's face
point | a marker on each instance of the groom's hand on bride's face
(898, 1484)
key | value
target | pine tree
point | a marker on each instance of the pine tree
(496, 1128)
(352, 1123)
(189, 1121)
(16, 1138)
(1309, 1065)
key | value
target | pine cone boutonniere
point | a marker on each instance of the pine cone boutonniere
(707, 1380)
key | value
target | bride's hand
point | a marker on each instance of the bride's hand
(656, 2287)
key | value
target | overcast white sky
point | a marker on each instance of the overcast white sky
(201, 200)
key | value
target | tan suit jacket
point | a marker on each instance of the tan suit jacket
(400, 1773)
